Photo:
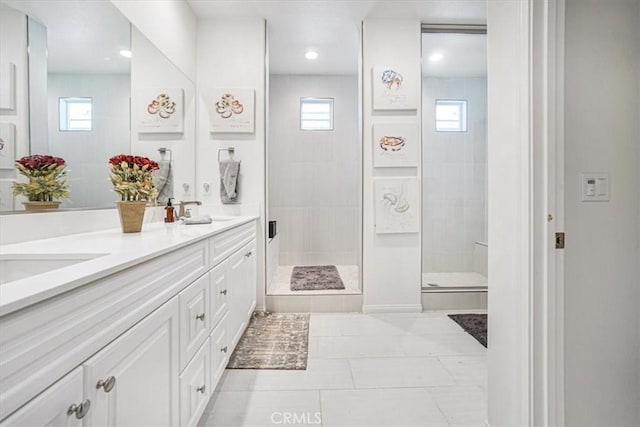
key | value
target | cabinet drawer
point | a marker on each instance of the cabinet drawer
(220, 293)
(195, 388)
(50, 408)
(194, 318)
(224, 244)
(220, 351)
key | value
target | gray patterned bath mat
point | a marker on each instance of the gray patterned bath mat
(315, 278)
(273, 341)
(473, 324)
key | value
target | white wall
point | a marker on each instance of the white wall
(509, 208)
(87, 153)
(150, 68)
(602, 272)
(238, 62)
(391, 262)
(314, 176)
(13, 49)
(454, 165)
(170, 25)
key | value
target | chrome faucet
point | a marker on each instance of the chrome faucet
(182, 213)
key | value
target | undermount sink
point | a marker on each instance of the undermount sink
(19, 266)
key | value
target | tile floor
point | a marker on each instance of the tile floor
(281, 283)
(365, 370)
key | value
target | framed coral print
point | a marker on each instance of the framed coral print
(160, 110)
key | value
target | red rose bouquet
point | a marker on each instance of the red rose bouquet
(46, 176)
(131, 177)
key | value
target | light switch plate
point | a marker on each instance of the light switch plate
(594, 187)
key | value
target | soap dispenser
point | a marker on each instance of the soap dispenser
(169, 215)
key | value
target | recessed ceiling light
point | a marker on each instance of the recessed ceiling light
(125, 53)
(436, 57)
(311, 54)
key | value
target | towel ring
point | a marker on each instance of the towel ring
(230, 151)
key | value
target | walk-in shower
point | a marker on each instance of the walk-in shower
(454, 165)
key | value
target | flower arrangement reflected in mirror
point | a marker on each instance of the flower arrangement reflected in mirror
(46, 181)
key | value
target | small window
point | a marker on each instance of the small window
(75, 114)
(316, 114)
(451, 115)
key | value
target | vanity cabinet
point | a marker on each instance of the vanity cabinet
(56, 407)
(134, 380)
(142, 347)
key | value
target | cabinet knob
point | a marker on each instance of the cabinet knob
(223, 292)
(224, 349)
(201, 389)
(80, 410)
(107, 384)
(200, 317)
(248, 254)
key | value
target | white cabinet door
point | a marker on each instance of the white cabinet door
(236, 320)
(219, 293)
(194, 318)
(53, 408)
(249, 276)
(220, 351)
(134, 380)
(195, 387)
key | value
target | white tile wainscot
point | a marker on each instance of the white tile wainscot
(150, 315)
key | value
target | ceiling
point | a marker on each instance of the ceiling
(331, 27)
(83, 36)
(463, 55)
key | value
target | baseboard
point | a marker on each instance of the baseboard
(392, 308)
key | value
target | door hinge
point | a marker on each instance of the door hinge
(560, 240)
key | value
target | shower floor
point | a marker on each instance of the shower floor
(461, 280)
(281, 283)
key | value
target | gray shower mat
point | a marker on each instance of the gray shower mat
(315, 278)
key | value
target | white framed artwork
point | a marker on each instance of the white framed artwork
(6, 195)
(395, 145)
(160, 110)
(8, 86)
(7, 145)
(231, 110)
(395, 88)
(397, 207)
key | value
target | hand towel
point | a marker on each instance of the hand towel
(229, 182)
(163, 180)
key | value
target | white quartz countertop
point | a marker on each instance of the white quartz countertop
(114, 251)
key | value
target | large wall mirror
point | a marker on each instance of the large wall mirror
(78, 75)
(315, 130)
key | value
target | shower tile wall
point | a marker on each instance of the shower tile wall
(314, 176)
(454, 177)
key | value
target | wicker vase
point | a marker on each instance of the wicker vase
(40, 206)
(131, 216)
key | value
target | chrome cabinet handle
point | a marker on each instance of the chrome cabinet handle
(201, 389)
(248, 254)
(107, 384)
(80, 410)
(223, 292)
(224, 349)
(200, 317)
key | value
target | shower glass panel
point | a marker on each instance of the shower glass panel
(454, 147)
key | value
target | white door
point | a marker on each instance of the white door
(61, 405)
(236, 321)
(219, 295)
(194, 318)
(134, 380)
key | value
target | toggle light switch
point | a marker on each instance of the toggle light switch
(595, 187)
